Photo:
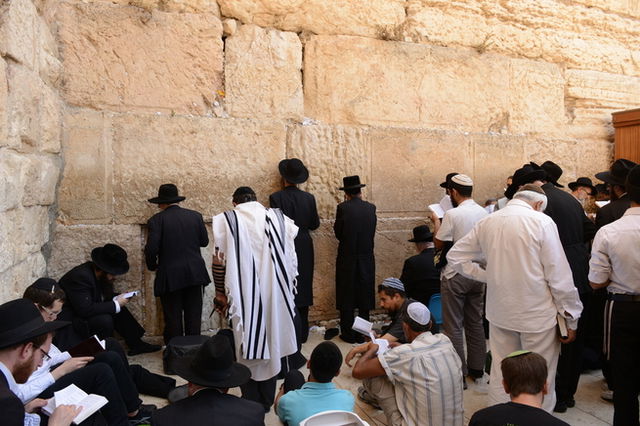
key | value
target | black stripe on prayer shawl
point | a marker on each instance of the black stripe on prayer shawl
(232, 221)
(277, 259)
(259, 326)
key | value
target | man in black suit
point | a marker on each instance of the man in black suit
(210, 373)
(173, 251)
(92, 305)
(301, 207)
(355, 228)
(575, 231)
(25, 339)
(420, 277)
(615, 179)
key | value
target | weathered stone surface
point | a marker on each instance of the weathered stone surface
(72, 245)
(12, 171)
(356, 17)
(25, 93)
(4, 86)
(49, 65)
(86, 192)
(41, 178)
(19, 31)
(495, 157)
(407, 165)
(206, 158)
(20, 275)
(624, 7)
(325, 247)
(330, 153)
(125, 58)
(263, 73)
(184, 6)
(229, 27)
(24, 231)
(562, 152)
(594, 156)
(50, 121)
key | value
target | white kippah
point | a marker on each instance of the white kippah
(463, 180)
(419, 313)
(393, 283)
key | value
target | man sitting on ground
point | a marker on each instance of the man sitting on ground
(298, 400)
(524, 378)
(418, 383)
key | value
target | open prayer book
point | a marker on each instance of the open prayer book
(366, 327)
(441, 207)
(89, 347)
(73, 395)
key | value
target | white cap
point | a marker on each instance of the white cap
(419, 313)
(463, 180)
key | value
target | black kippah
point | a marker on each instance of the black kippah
(46, 284)
(243, 190)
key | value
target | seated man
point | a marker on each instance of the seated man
(524, 378)
(418, 383)
(298, 400)
(92, 305)
(394, 300)
(420, 276)
(210, 373)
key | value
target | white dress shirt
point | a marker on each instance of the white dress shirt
(615, 255)
(527, 274)
(30, 419)
(457, 223)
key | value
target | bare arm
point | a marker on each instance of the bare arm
(368, 365)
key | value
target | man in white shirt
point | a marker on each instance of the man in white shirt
(529, 283)
(462, 297)
(615, 265)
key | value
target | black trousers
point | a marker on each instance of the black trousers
(303, 313)
(570, 360)
(263, 392)
(346, 321)
(182, 312)
(95, 378)
(123, 322)
(624, 350)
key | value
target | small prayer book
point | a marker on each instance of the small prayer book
(73, 395)
(89, 347)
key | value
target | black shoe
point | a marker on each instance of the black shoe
(348, 338)
(143, 347)
(561, 407)
(143, 417)
(570, 403)
(331, 333)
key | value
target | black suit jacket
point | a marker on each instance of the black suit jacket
(612, 211)
(420, 276)
(355, 229)
(85, 297)
(10, 405)
(300, 206)
(575, 230)
(210, 407)
(173, 249)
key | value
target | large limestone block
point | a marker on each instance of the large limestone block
(263, 75)
(206, 158)
(123, 58)
(40, 182)
(324, 276)
(594, 156)
(50, 120)
(86, 193)
(4, 85)
(360, 80)
(19, 31)
(183, 6)
(49, 66)
(24, 231)
(408, 164)
(25, 94)
(71, 245)
(495, 157)
(562, 152)
(12, 172)
(354, 17)
(21, 275)
(330, 153)
(391, 245)
(623, 7)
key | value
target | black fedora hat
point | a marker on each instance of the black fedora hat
(617, 173)
(421, 234)
(167, 194)
(213, 365)
(111, 258)
(583, 181)
(447, 180)
(293, 170)
(351, 182)
(633, 183)
(20, 321)
(553, 172)
(528, 173)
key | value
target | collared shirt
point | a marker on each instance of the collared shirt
(427, 379)
(313, 398)
(41, 379)
(527, 274)
(30, 419)
(457, 223)
(615, 254)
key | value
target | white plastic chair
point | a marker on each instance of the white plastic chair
(334, 418)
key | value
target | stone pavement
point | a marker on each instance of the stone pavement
(590, 410)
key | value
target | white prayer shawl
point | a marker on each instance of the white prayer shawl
(261, 266)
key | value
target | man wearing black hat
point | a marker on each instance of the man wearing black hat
(210, 373)
(355, 228)
(24, 341)
(92, 305)
(615, 178)
(420, 277)
(615, 265)
(173, 251)
(582, 188)
(301, 207)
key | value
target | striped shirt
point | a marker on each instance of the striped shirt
(427, 378)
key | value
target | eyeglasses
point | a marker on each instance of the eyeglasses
(52, 314)
(45, 356)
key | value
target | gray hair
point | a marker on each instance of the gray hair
(531, 197)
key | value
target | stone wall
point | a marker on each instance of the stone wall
(30, 136)
(211, 96)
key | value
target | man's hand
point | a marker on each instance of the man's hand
(63, 415)
(221, 303)
(218, 257)
(34, 405)
(358, 350)
(121, 300)
(71, 365)
(434, 217)
(571, 336)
